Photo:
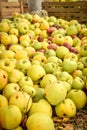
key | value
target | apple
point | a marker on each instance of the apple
(68, 39)
(67, 108)
(7, 54)
(79, 98)
(14, 39)
(39, 94)
(40, 38)
(52, 19)
(83, 50)
(18, 128)
(50, 30)
(10, 89)
(67, 45)
(22, 100)
(24, 43)
(45, 122)
(69, 65)
(41, 106)
(30, 51)
(44, 25)
(3, 101)
(61, 52)
(23, 65)
(24, 37)
(40, 57)
(4, 26)
(78, 73)
(58, 39)
(36, 18)
(36, 72)
(72, 56)
(5, 39)
(25, 80)
(7, 122)
(52, 46)
(36, 45)
(3, 78)
(28, 89)
(49, 67)
(71, 30)
(15, 75)
(23, 27)
(83, 60)
(16, 47)
(55, 92)
(14, 31)
(28, 16)
(7, 64)
(47, 79)
(55, 60)
(78, 83)
(21, 54)
(50, 52)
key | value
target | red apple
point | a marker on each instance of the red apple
(40, 38)
(50, 30)
(52, 46)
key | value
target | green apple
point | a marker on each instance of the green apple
(47, 79)
(67, 86)
(28, 89)
(8, 118)
(45, 122)
(16, 47)
(55, 60)
(55, 92)
(83, 60)
(71, 56)
(24, 43)
(15, 76)
(39, 94)
(10, 89)
(71, 30)
(3, 78)
(21, 54)
(41, 106)
(3, 101)
(50, 52)
(25, 80)
(23, 65)
(69, 65)
(23, 27)
(28, 16)
(67, 108)
(18, 128)
(79, 97)
(7, 64)
(36, 72)
(78, 83)
(83, 50)
(22, 100)
(49, 67)
(36, 44)
(62, 51)
(76, 41)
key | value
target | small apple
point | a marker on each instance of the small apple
(10, 89)
(22, 100)
(30, 51)
(44, 25)
(5, 39)
(12, 121)
(15, 75)
(49, 67)
(14, 31)
(83, 60)
(50, 30)
(52, 46)
(50, 52)
(36, 45)
(16, 47)
(7, 54)
(4, 26)
(71, 30)
(78, 83)
(14, 39)
(67, 108)
(83, 50)
(58, 39)
(79, 97)
(40, 38)
(48, 78)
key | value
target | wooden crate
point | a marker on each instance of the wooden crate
(8, 8)
(25, 6)
(67, 10)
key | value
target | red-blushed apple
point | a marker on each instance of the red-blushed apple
(22, 100)
(52, 46)
(12, 121)
(79, 98)
(3, 78)
(67, 108)
(10, 89)
(67, 45)
(72, 49)
(50, 30)
(50, 38)
(40, 38)
(3, 101)
(30, 51)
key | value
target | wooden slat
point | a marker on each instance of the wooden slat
(67, 10)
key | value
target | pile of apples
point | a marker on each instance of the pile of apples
(43, 71)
